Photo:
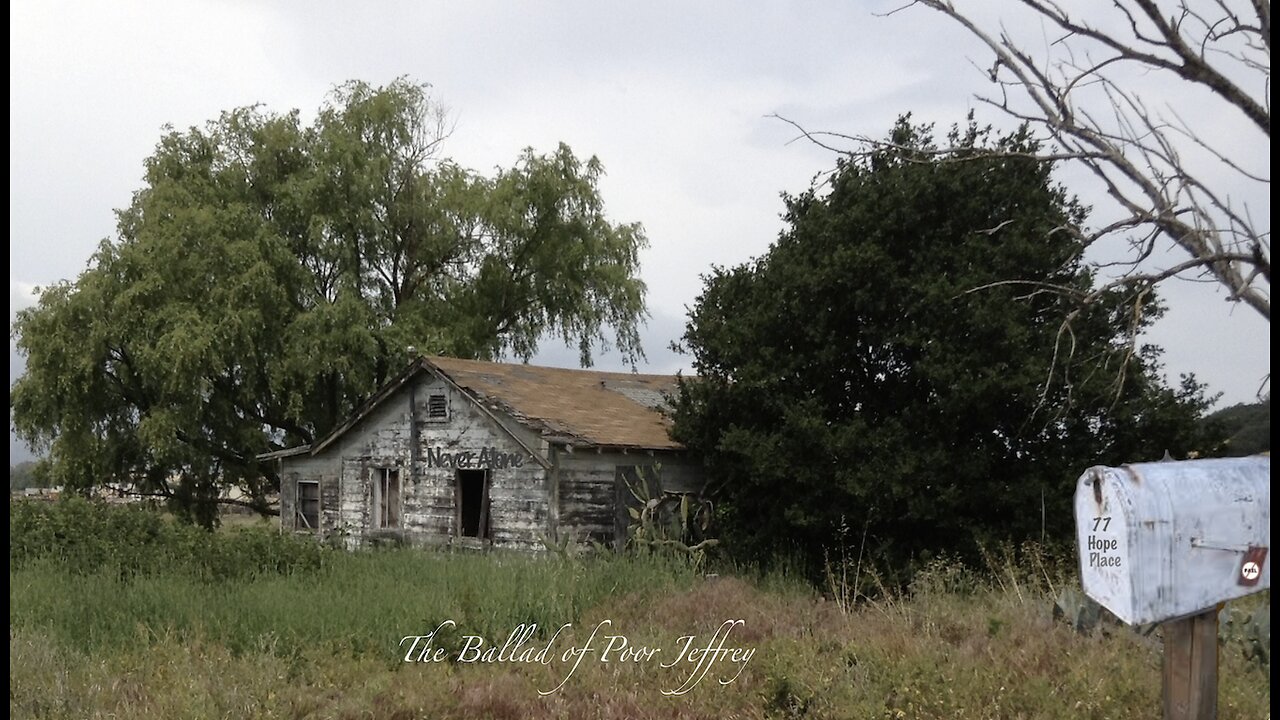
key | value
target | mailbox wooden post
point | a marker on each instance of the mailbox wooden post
(1168, 542)
(1190, 667)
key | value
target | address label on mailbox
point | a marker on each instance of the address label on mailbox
(1105, 552)
(1164, 540)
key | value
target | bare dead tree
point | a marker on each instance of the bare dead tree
(1086, 90)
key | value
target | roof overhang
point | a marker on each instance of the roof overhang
(287, 452)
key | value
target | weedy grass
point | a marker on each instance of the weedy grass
(318, 637)
(357, 603)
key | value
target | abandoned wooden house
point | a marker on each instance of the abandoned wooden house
(480, 453)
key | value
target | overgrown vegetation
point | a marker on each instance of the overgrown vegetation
(90, 538)
(302, 601)
(303, 639)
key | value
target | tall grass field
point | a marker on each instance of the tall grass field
(118, 613)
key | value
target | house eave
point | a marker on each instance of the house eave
(285, 453)
(580, 445)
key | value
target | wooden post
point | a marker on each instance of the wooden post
(1190, 683)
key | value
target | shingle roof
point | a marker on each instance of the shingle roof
(584, 406)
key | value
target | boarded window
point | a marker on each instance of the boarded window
(307, 508)
(437, 407)
(386, 498)
(472, 493)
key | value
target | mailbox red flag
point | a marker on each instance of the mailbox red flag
(1251, 566)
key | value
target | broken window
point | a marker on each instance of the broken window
(307, 507)
(472, 493)
(386, 498)
(437, 407)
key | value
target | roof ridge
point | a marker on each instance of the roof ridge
(582, 371)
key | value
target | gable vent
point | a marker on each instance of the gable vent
(437, 407)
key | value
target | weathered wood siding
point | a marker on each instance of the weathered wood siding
(586, 495)
(592, 493)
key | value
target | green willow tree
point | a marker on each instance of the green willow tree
(270, 275)
(872, 373)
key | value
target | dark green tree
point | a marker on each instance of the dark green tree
(269, 276)
(875, 371)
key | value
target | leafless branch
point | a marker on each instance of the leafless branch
(1137, 155)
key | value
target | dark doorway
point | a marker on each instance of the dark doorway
(473, 504)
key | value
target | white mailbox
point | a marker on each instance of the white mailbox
(1165, 540)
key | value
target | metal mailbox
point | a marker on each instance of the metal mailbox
(1166, 540)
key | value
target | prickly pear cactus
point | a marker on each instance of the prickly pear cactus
(669, 521)
(1248, 629)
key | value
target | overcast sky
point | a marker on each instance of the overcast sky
(674, 99)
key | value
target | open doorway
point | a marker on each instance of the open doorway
(472, 498)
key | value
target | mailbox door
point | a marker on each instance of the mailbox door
(1120, 534)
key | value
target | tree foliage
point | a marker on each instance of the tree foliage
(270, 274)
(871, 371)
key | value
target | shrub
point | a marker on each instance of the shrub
(86, 537)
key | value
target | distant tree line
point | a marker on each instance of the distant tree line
(23, 476)
(1247, 428)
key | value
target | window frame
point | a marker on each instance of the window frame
(381, 510)
(300, 520)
